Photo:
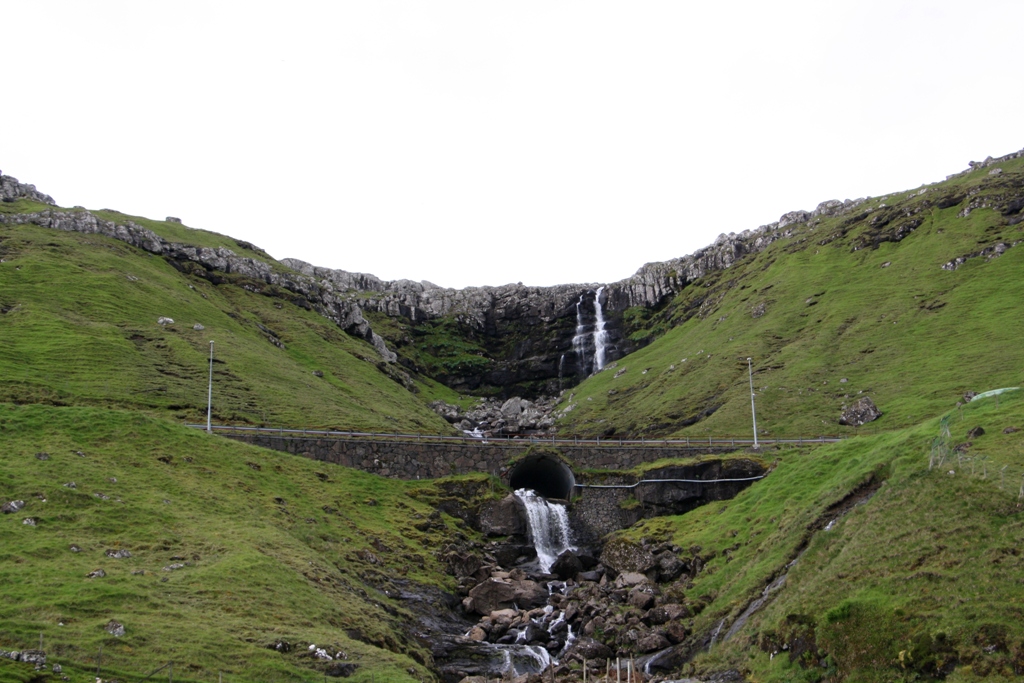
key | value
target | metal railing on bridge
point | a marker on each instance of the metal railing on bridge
(516, 440)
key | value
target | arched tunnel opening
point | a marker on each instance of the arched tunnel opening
(545, 474)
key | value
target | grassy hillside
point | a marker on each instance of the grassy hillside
(919, 579)
(267, 548)
(834, 312)
(79, 327)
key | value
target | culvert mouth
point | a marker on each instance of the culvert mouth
(545, 474)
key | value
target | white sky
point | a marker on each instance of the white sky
(480, 142)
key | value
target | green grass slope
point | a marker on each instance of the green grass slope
(830, 314)
(78, 326)
(921, 580)
(267, 547)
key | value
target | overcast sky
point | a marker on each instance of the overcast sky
(477, 142)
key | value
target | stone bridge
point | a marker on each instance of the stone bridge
(411, 459)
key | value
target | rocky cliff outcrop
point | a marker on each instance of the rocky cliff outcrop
(11, 190)
(211, 262)
(540, 340)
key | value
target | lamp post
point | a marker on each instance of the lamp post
(753, 413)
(209, 393)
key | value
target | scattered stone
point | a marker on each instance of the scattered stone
(42, 456)
(969, 395)
(341, 669)
(57, 668)
(163, 320)
(172, 567)
(1010, 430)
(886, 264)
(12, 507)
(619, 373)
(861, 412)
(651, 642)
(74, 548)
(623, 555)
(173, 219)
(491, 595)
(198, 327)
(318, 373)
(590, 649)
(975, 433)
(995, 171)
(37, 657)
(641, 599)
(114, 628)
(30, 521)
(138, 572)
(118, 554)
(567, 566)
(96, 574)
(843, 380)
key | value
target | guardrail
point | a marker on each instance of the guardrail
(510, 440)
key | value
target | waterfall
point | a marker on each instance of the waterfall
(561, 371)
(549, 527)
(600, 336)
(579, 339)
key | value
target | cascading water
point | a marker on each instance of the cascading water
(549, 527)
(579, 340)
(600, 335)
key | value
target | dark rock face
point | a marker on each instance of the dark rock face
(502, 518)
(599, 511)
(861, 412)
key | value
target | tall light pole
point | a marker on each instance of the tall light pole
(753, 413)
(209, 393)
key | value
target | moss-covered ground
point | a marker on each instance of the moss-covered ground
(268, 547)
(923, 578)
(830, 314)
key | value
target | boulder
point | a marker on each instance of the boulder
(114, 628)
(12, 507)
(501, 517)
(491, 595)
(589, 649)
(341, 669)
(623, 555)
(528, 594)
(641, 599)
(861, 412)
(676, 631)
(666, 613)
(567, 566)
(651, 642)
(96, 574)
(630, 579)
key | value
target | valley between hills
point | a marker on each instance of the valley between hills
(130, 541)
